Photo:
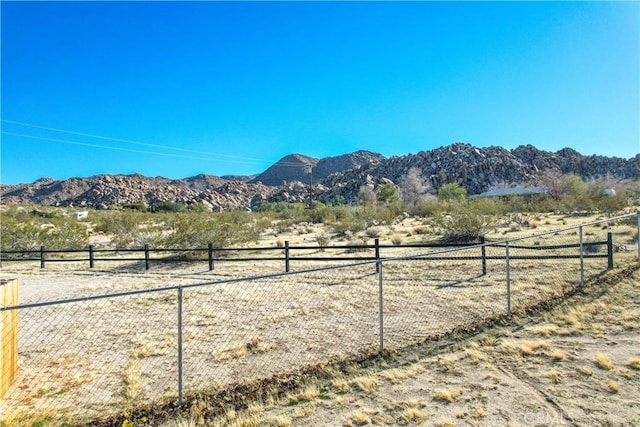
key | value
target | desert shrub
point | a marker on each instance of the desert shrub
(169, 207)
(611, 204)
(451, 192)
(463, 223)
(385, 214)
(137, 206)
(128, 228)
(196, 230)
(387, 193)
(374, 232)
(338, 201)
(425, 206)
(348, 226)
(322, 214)
(490, 206)
(358, 246)
(67, 234)
(366, 196)
(322, 239)
(397, 239)
(199, 207)
(20, 232)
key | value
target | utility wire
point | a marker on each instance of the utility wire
(242, 159)
(131, 150)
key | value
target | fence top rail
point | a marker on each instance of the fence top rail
(187, 286)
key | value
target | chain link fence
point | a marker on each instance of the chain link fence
(97, 355)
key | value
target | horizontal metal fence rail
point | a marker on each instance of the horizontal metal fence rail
(214, 253)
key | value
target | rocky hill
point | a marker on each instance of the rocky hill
(107, 191)
(294, 167)
(289, 168)
(476, 169)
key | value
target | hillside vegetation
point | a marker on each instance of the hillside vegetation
(449, 216)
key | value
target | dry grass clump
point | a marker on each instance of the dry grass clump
(613, 386)
(358, 418)
(585, 370)
(447, 395)
(306, 394)
(396, 374)
(397, 239)
(525, 348)
(366, 384)
(634, 362)
(410, 415)
(478, 412)
(603, 362)
(554, 375)
(557, 355)
(446, 423)
(133, 381)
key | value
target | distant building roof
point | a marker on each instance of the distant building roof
(516, 191)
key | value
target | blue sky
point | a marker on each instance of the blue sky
(176, 89)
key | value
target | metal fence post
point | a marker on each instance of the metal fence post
(42, 257)
(180, 345)
(483, 250)
(146, 256)
(508, 280)
(380, 305)
(286, 256)
(90, 256)
(581, 258)
(610, 251)
(638, 236)
(210, 256)
(377, 253)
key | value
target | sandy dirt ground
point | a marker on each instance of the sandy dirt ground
(578, 365)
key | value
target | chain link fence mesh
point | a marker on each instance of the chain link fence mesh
(99, 355)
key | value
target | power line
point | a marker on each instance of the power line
(131, 150)
(242, 159)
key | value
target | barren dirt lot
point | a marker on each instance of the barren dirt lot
(578, 365)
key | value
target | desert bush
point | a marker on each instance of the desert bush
(137, 206)
(322, 214)
(348, 226)
(23, 232)
(425, 206)
(611, 204)
(374, 232)
(169, 207)
(463, 223)
(322, 239)
(451, 192)
(196, 230)
(386, 214)
(387, 193)
(358, 246)
(396, 239)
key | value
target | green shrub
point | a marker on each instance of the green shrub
(451, 192)
(169, 207)
(19, 232)
(463, 223)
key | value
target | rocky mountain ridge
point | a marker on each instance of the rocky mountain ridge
(335, 178)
